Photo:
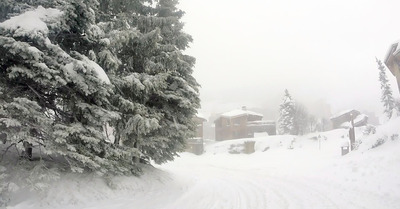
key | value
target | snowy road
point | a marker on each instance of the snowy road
(231, 189)
(212, 183)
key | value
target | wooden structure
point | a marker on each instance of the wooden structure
(199, 120)
(241, 123)
(196, 145)
(343, 119)
(392, 61)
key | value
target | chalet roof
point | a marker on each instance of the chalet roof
(201, 116)
(393, 51)
(239, 112)
(345, 112)
(360, 120)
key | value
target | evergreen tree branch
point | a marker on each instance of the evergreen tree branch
(6, 150)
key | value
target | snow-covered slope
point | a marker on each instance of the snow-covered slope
(284, 172)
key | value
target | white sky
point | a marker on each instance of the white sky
(249, 51)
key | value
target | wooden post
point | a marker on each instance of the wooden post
(352, 134)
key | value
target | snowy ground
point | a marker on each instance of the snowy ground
(284, 172)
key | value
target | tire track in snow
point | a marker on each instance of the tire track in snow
(206, 186)
(298, 195)
(223, 190)
(234, 189)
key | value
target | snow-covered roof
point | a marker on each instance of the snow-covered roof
(343, 113)
(394, 50)
(32, 21)
(200, 118)
(397, 49)
(200, 115)
(360, 120)
(239, 112)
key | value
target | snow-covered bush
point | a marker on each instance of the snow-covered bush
(369, 129)
(357, 144)
(236, 148)
(379, 142)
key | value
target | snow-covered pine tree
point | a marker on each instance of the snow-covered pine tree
(125, 55)
(53, 94)
(179, 98)
(54, 69)
(156, 92)
(386, 98)
(286, 115)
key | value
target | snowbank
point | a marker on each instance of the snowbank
(284, 172)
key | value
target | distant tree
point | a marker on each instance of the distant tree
(387, 97)
(287, 113)
(324, 124)
(300, 120)
(312, 123)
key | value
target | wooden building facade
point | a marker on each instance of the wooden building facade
(242, 123)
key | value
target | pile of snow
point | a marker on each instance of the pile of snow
(34, 21)
(85, 190)
(101, 74)
(85, 63)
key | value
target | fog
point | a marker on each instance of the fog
(323, 52)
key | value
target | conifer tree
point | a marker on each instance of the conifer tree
(53, 94)
(97, 64)
(287, 115)
(179, 98)
(386, 98)
(156, 92)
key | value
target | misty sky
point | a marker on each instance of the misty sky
(249, 51)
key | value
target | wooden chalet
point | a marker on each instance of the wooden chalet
(241, 123)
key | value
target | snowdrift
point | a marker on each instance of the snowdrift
(310, 164)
